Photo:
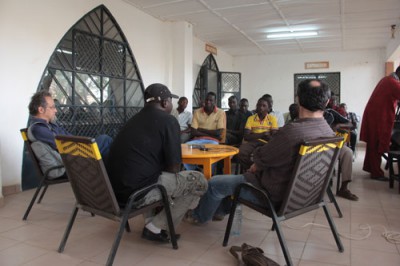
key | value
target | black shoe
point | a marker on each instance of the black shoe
(162, 237)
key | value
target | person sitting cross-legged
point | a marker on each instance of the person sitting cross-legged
(273, 162)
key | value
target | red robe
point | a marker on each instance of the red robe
(377, 123)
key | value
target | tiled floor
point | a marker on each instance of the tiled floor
(35, 241)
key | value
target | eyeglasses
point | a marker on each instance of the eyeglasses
(51, 107)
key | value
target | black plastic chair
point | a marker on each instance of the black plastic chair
(93, 191)
(45, 180)
(306, 191)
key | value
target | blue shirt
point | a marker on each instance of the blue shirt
(46, 132)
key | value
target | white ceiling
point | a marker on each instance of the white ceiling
(239, 27)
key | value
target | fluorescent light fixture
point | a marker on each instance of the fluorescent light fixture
(293, 34)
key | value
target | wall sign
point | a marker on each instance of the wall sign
(211, 49)
(315, 65)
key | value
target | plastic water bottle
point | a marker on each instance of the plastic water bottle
(237, 221)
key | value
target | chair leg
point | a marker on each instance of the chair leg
(229, 224)
(333, 200)
(32, 201)
(170, 223)
(273, 226)
(237, 168)
(282, 243)
(127, 227)
(391, 170)
(68, 230)
(339, 171)
(42, 194)
(333, 228)
(117, 240)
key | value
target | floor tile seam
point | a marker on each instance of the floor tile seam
(29, 259)
(375, 250)
(16, 243)
(330, 263)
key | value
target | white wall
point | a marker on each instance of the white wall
(224, 60)
(274, 74)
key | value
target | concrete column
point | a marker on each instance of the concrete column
(182, 60)
(1, 182)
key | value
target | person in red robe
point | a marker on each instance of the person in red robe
(377, 123)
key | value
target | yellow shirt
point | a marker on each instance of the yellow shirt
(255, 125)
(216, 120)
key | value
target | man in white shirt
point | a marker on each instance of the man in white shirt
(184, 118)
(277, 114)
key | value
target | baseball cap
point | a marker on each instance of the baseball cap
(157, 92)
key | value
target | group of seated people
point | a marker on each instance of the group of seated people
(147, 150)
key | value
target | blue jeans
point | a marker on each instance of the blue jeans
(104, 143)
(214, 201)
(200, 142)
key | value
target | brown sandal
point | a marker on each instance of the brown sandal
(345, 193)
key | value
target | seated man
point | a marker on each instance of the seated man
(208, 125)
(352, 117)
(272, 111)
(235, 121)
(184, 118)
(209, 122)
(146, 151)
(274, 161)
(43, 128)
(336, 120)
(257, 132)
(244, 108)
(293, 113)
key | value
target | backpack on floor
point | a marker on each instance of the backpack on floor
(251, 256)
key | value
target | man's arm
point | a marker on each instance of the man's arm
(173, 168)
(172, 146)
(249, 136)
(271, 154)
(42, 133)
(201, 132)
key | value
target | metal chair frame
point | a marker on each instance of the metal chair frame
(93, 192)
(293, 205)
(45, 181)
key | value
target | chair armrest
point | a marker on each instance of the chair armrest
(132, 198)
(250, 186)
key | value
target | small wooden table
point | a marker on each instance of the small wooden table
(214, 154)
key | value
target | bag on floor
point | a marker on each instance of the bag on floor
(251, 256)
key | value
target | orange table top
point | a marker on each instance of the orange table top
(214, 150)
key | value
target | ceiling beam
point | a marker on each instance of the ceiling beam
(232, 25)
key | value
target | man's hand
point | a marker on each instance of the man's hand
(253, 168)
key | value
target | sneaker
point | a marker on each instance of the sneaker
(345, 193)
(190, 219)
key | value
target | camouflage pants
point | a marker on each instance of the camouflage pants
(183, 189)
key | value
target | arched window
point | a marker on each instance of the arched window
(93, 76)
(94, 79)
(223, 84)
